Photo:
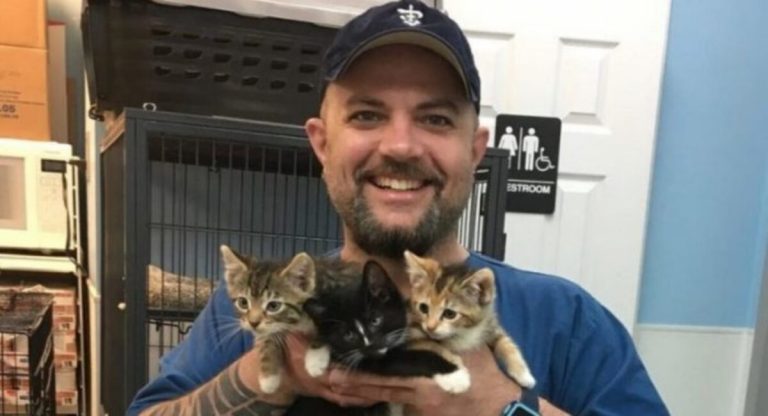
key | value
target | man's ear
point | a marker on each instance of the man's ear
(479, 144)
(315, 128)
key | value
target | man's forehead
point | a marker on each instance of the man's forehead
(452, 103)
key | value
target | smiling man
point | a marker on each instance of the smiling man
(399, 140)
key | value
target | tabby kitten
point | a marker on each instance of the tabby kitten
(454, 306)
(268, 297)
(365, 325)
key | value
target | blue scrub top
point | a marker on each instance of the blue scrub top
(583, 358)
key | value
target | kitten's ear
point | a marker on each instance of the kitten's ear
(314, 308)
(480, 286)
(235, 267)
(417, 270)
(377, 281)
(300, 272)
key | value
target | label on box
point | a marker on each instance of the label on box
(63, 360)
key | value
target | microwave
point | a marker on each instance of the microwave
(36, 196)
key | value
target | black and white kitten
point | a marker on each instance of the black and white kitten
(365, 325)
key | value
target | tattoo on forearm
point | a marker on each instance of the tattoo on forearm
(225, 394)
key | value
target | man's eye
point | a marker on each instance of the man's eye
(365, 116)
(438, 120)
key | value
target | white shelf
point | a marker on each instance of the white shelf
(35, 263)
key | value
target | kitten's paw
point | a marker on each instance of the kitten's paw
(269, 384)
(455, 382)
(525, 379)
(395, 409)
(316, 361)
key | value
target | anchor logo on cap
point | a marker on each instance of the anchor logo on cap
(410, 16)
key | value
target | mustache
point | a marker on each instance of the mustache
(401, 169)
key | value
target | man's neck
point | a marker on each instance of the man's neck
(447, 251)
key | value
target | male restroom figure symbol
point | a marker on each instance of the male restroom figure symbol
(530, 148)
(509, 141)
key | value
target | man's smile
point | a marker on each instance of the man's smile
(398, 184)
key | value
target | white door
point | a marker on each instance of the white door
(596, 65)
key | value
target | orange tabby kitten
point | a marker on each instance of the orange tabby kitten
(454, 306)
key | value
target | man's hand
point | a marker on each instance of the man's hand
(490, 391)
(297, 381)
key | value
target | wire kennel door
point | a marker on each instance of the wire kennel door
(175, 187)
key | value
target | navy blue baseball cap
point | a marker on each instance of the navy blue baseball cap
(404, 22)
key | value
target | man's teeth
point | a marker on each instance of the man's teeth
(397, 184)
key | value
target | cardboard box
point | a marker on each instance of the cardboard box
(24, 93)
(66, 402)
(66, 379)
(23, 23)
(57, 81)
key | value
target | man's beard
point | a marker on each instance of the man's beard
(437, 223)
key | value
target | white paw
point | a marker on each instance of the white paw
(526, 380)
(269, 384)
(316, 361)
(395, 409)
(455, 382)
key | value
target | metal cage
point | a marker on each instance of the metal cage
(27, 380)
(176, 186)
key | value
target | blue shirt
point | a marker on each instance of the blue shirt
(582, 357)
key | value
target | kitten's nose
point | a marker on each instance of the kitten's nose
(255, 324)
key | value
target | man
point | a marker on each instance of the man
(399, 139)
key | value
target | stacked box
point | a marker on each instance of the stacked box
(27, 379)
(24, 70)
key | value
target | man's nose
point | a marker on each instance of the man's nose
(401, 140)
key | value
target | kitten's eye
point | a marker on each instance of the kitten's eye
(376, 321)
(243, 303)
(274, 306)
(350, 336)
(449, 314)
(423, 308)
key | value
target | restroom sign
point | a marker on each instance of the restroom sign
(534, 149)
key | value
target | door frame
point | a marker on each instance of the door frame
(756, 403)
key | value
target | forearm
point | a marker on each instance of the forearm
(234, 389)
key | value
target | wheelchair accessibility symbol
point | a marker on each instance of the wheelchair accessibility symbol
(542, 162)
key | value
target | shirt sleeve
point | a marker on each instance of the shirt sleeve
(214, 342)
(600, 371)
(584, 360)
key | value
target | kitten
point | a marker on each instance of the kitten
(365, 326)
(454, 306)
(268, 297)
